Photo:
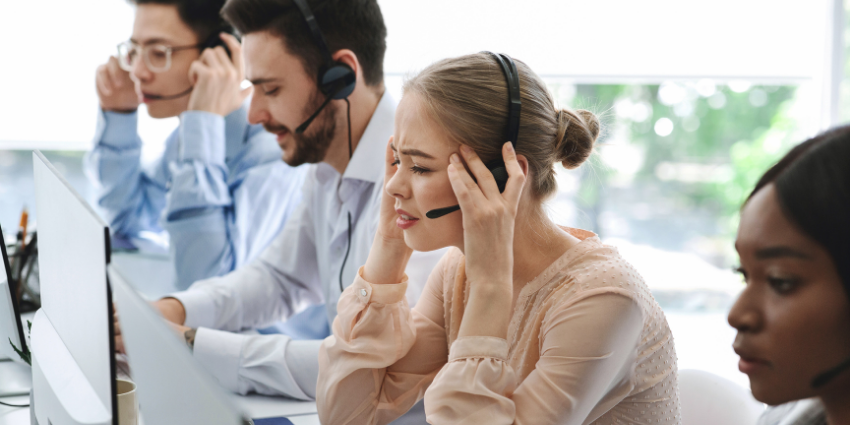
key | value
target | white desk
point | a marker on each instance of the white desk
(152, 275)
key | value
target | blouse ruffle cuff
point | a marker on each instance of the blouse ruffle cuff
(378, 293)
(479, 347)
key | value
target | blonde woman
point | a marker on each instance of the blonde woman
(525, 321)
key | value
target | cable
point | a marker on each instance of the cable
(347, 250)
(14, 405)
(348, 112)
(350, 154)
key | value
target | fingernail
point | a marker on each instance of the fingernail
(510, 147)
(451, 169)
(465, 149)
(454, 158)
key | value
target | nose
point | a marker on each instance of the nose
(257, 112)
(746, 315)
(398, 187)
(140, 71)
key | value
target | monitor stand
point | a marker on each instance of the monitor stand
(17, 379)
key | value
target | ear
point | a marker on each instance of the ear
(523, 163)
(348, 57)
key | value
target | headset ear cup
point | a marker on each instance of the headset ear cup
(337, 81)
(500, 173)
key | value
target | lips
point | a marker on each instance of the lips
(749, 364)
(405, 220)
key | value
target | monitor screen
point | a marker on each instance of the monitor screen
(73, 251)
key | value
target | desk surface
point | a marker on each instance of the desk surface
(151, 275)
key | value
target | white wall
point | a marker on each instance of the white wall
(52, 47)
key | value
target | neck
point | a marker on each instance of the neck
(538, 242)
(364, 101)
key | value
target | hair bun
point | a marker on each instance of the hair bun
(577, 132)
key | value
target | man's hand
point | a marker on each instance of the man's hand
(172, 310)
(116, 325)
(216, 79)
(115, 89)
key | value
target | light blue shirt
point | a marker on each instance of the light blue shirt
(220, 190)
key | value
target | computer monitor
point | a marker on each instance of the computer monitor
(172, 388)
(73, 360)
(14, 370)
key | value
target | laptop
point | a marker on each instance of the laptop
(172, 388)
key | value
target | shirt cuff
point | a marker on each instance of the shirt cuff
(378, 293)
(479, 347)
(199, 307)
(220, 353)
(119, 129)
(202, 137)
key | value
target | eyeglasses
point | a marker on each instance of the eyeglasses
(157, 56)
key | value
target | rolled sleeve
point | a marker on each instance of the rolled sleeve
(199, 306)
(202, 137)
(378, 293)
(220, 353)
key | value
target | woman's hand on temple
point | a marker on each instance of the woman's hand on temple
(389, 254)
(488, 232)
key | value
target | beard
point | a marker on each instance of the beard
(312, 145)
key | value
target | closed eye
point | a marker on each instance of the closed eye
(419, 170)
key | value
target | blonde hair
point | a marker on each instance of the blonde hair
(467, 96)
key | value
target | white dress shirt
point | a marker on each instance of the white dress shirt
(301, 266)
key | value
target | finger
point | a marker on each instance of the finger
(116, 326)
(485, 178)
(235, 53)
(516, 178)
(210, 58)
(195, 70)
(466, 190)
(223, 59)
(119, 345)
(115, 73)
(102, 81)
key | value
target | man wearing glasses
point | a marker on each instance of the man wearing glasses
(220, 189)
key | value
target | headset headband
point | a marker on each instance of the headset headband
(318, 37)
(514, 100)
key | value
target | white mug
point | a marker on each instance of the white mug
(128, 404)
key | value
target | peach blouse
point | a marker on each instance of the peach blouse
(587, 343)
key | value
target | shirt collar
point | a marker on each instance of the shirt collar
(367, 162)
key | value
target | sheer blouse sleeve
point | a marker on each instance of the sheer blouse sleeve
(587, 357)
(382, 355)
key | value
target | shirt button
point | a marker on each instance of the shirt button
(362, 292)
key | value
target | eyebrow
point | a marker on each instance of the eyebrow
(259, 81)
(779, 252)
(412, 152)
(157, 40)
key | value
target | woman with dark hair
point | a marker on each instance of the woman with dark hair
(793, 317)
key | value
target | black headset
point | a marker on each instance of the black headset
(497, 166)
(335, 80)
(214, 40)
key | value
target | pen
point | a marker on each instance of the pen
(22, 228)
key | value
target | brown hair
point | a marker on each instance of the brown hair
(357, 25)
(468, 97)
